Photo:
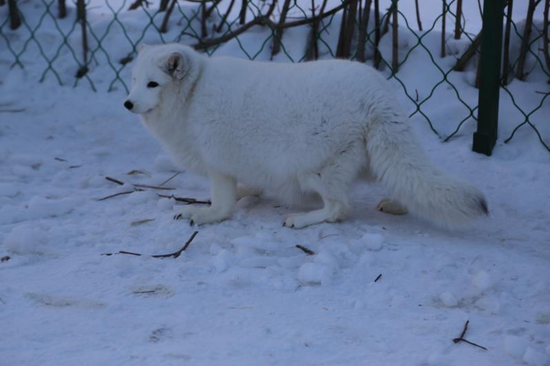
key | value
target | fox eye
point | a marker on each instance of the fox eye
(152, 84)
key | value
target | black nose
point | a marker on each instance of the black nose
(129, 105)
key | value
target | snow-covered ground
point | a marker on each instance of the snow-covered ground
(242, 293)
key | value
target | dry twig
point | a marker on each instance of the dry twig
(169, 179)
(186, 200)
(114, 181)
(174, 255)
(461, 338)
(305, 250)
(154, 187)
(120, 194)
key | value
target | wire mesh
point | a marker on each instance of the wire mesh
(203, 23)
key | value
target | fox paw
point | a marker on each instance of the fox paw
(201, 215)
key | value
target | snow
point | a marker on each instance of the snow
(535, 358)
(242, 293)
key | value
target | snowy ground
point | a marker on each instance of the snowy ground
(242, 293)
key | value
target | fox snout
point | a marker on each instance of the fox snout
(128, 105)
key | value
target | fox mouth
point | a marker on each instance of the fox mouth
(144, 112)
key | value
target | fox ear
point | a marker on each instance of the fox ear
(176, 65)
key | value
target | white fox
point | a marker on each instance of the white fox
(288, 130)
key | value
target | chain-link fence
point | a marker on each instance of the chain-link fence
(74, 40)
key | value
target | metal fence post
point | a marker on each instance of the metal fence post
(489, 87)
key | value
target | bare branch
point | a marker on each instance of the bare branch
(418, 16)
(279, 31)
(164, 25)
(458, 16)
(61, 9)
(264, 20)
(15, 19)
(139, 3)
(443, 26)
(395, 40)
(506, 57)
(224, 18)
(545, 39)
(377, 35)
(468, 54)
(520, 73)
(363, 29)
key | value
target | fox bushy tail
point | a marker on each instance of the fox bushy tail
(398, 160)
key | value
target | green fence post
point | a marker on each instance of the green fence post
(489, 86)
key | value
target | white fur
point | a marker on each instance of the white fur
(289, 129)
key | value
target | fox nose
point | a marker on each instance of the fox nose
(129, 105)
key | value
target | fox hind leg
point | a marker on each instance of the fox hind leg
(332, 183)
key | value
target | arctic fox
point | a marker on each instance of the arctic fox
(290, 129)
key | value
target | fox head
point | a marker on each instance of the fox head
(156, 69)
